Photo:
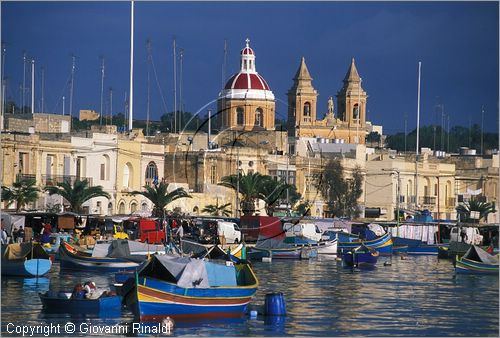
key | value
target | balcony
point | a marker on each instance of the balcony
(428, 200)
(22, 177)
(53, 180)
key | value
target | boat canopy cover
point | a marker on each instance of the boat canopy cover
(121, 248)
(188, 272)
(271, 243)
(477, 254)
(23, 250)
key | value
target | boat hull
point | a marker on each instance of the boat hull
(71, 305)
(467, 266)
(364, 259)
(74, 261)
(153, 299)
(382, 244)
(26, 268)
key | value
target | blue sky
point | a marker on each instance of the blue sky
(457, 43)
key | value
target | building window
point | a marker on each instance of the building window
(103, 171)
(240, 116)
(80, 168)
(99, 207)
(127, 176)
(121, 208)
(435, 189)
(213, 174)
(355, 112)
(133, 207)
(23, 163)
(307, 112)
(259, 117)
(151, 174)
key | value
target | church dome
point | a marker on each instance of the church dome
(247, 83)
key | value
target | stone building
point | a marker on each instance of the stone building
(348, 126)
(38, 123)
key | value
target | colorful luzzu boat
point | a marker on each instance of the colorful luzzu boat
(477, 261)
(189, 288)
(382, 244)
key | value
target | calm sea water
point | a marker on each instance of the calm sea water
(419, 296)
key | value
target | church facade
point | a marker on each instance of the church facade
(348, 125)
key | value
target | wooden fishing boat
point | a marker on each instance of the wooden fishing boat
(382, 244)
(61, 302)
(361, 256)
(477, 261)
(73, 259)
(52, 248)
(188, 288)
(25, 260)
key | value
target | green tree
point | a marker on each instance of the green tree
(217, 209)
(22, 193)
(249, 187)
(160, 197)
(340, 193)
(484, 209)
(77, 193)
(274, 192)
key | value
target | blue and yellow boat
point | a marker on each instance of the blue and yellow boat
(382, 244)
(477, 261)
(188, 288)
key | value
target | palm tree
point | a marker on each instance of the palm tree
(217, 210)
(160, 197)
(484, 209)
(272, 192)
(22, 192)
(77, 193)
(249, 186)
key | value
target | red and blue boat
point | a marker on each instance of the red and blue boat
(477, 261)
(189, 289)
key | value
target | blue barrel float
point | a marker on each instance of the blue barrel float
(275, 304)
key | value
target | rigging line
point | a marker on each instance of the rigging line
(158, 85)
(62, 93)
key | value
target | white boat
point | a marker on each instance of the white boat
(327, 247)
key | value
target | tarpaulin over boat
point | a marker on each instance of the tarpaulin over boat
(125, 247)
(22, 251)
(477, 254)
(189, 272)
(272, 243)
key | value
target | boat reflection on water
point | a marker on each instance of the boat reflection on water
(275, 323)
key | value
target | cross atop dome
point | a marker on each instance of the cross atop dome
(247, 63)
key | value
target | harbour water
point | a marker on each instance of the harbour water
(418, 296)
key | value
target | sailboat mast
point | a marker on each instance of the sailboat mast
(24, 83)
(110, 105)
(32, 86)
(101, 113)
(131, 101)
(148, 46)
(43, 88)
(181, 54)
(175, 90)
(418, 129)
(71, 89)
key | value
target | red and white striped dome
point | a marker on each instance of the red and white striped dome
(247, 83)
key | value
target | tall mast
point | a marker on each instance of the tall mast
(2, 101)
(131, 102)
(175, 90)
(64, 103)
(32, 86)
(482, 125)
(148, 46)
(181, 54)
(43, 88)
(111, 105)
(72, 86)
(418, 129)
(101, 112)
(24, 83)
(359, 111)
